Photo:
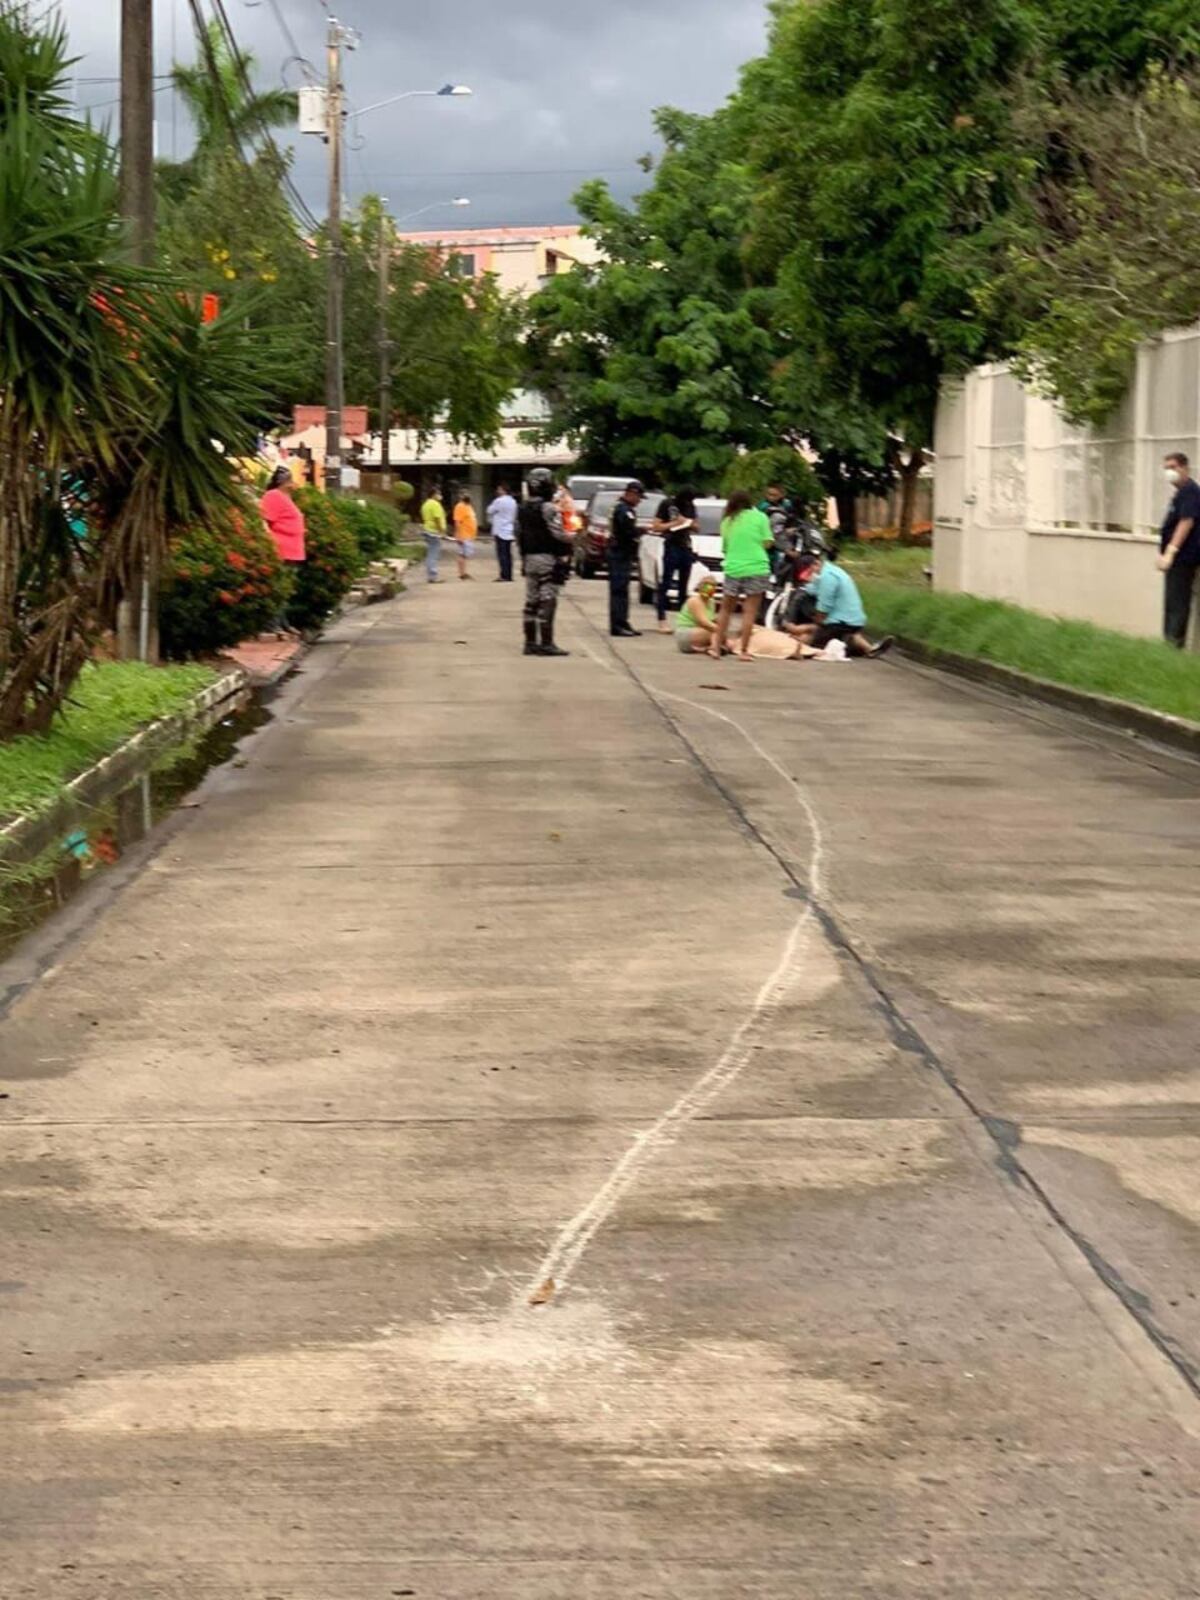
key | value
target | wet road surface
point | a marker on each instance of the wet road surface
(817, 1045)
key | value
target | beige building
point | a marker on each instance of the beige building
(1060, 519)
(522, 259)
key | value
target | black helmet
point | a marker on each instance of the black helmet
(541, 484)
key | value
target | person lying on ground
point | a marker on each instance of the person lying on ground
(770, 644)
(696, 620)
(839, 614)
(745, 538)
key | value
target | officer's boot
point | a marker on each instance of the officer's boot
(531, 644)
(549, 648)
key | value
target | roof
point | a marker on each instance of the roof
(495, 236)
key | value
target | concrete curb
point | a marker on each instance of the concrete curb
(1137, 721)
(94, 781)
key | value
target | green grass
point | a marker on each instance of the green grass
(408, 550)
(1097, 660)
(109, 702)
(890, 563)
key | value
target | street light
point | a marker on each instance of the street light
(385, 344)
(435, 205)
(340, 37)
(453, 90)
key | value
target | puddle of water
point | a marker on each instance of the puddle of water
(90, 840)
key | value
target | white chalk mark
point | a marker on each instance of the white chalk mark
(571, 1244)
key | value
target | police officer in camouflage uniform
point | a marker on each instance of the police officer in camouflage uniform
(545, 549)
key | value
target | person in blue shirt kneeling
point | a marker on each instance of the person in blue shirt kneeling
(839, 609)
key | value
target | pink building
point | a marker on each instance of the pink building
(522, 259)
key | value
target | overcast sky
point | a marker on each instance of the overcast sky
(564, 89)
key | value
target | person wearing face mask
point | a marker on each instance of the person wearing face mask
(1180, 543)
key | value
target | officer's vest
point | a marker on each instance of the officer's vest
(536, 538)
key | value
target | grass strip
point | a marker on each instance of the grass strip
(1097, 660)
(110, 701)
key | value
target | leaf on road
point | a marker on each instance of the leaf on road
(544, 1295)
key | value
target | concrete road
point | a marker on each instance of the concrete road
(817, 1044)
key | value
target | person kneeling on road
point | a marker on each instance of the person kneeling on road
(696, 621)
(545, 548)
(839, 609)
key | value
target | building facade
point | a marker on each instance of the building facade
(520, 259)
(1060, 519)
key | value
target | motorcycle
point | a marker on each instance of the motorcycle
(787, 599)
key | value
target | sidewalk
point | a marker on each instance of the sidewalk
(490, 980)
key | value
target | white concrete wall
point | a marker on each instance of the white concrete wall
(1060, 519)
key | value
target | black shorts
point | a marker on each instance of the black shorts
(832, 630)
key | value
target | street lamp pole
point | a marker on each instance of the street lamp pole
(335, 381)
(335, 360)
(385, 352)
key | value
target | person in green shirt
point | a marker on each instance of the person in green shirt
(696, 620)
(433, 524)
(746, 536)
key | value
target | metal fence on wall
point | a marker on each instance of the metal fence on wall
(1028, 507)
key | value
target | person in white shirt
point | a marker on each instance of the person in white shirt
(502, 519)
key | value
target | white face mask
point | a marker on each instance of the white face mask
(1174, 476)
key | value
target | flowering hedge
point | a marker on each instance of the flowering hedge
(222, 583)
(377, 528)
(333, 560)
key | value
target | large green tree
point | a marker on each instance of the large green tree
(454, 342)
(234, 233)
(882, 137)
(661, 358)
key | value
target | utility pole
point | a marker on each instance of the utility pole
(335, 356)
(385, 352)
(137, 125)
(137, 631)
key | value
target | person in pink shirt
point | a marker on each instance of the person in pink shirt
(285, 520)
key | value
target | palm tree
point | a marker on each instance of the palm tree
(112, 390)
(225, 110)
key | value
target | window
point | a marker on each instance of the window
(1000, 459)
(461, 266)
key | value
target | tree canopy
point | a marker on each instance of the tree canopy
(895, 192)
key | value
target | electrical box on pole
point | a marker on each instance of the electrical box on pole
(314, 109)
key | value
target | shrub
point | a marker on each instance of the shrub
(778, 464)
(222, 583)
(377, 528)
(333, 560)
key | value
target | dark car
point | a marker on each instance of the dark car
(591, 542)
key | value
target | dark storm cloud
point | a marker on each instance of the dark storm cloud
(563, 89)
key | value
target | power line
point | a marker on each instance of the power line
(239, 62)
(101, 105)
(289, 38)
(513, 172)
(297, 199)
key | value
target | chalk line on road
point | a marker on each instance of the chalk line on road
(561, 1261)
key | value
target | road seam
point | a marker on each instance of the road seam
(1002, 1137)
